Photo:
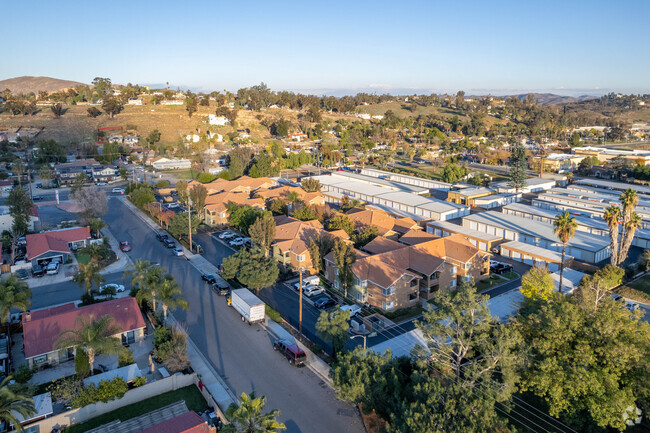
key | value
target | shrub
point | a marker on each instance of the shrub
(161, 335)
(125, 357)
(81, 364)
(173, 352)
(139, 381)
(106, 391)
(162, 184)
(274, 315)
(205, 177)
(23, 374)
(64, 390)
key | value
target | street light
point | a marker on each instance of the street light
(364, 339)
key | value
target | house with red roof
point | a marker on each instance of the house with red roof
(41, 328)
(56, 245)
(189, 422)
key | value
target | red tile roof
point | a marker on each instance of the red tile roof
(189, 422)
(56, 240)
(44, 326)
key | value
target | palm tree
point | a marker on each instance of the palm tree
(12, 404)
(93, 337)
(169, 294)
(88, 275)
(629, 228)
(138, 272)
(612, 217)
(14, 293)
(248, 417)
(629, 199)
(565, 228)
(96, 224)
(293, 198)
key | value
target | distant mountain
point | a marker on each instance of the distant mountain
(29, 84)
(550, 98)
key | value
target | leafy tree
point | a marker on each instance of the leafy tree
(93, 336)
(305, 213)
(243, 217)
(588, 361)
(471, 345)
(311, 185)
(452, 172)
(333, 327)
(247, 417)
(364, 236)
(110, 152)
(191, 104)
(14, 293)
(344, 257)
(13, 404)
(181, 190)
(57, 109)
(252, 268)
(341, 222)
(20, 208)
(564, 227)
(162, 183)
(88, 276)
(575, 139)
(180, 224)
(93, 112)
(518, 167)
(170, 296)
(278, 207)
(142, 196)
(50, 151)
(153, 138)
(111, 105)
(81, 364)
(45, 174)
(320, 246)
(347, 204)
(205, 177)
(262, 232)
(280, 128)
(537, 284)
(102, 85)
(197, 195)
(124, 173)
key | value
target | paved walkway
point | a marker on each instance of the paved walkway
(123, 259)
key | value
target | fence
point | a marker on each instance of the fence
(76, 416)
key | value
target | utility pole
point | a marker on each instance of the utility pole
(189, 220)
(300, 305)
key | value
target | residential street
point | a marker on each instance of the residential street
(242, 354)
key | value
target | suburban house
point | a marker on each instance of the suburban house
(416, 236)
(42, 328)
(56, 245)
(217, 120)
(363, 218)
(243, 184)
(103, 173)
(7, 221)
(215, 211)
(131, 140)
(6, 185)
(309, 198)
(292, 239)
(398, 275)
(67, 172)
(298, 136)
(162, 163)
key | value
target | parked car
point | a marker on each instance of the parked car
(209, 278)
(632, 306)
(162, 237)
(169, 243)
(118, 190)
(173, 205)
(313, 290)
(178, 251)
(22, 274)
(353, 309)
(324, 302)
(500, 268)
(237, 242)
(101, 184)
(52, 268)
(38, 271)
(221, 288)
(313, 280)
(125, 247)
(226, 235)
(291, 351)
(118, 288)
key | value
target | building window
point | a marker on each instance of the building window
(414, 282)
(467, 278)
(454, 270)
(300, 258)
(388, 305)
(128, 337)
(40, 359)
(389, 291)
(452, 283)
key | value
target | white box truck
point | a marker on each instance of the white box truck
(251, 308)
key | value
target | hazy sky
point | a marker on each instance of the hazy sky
(495, 46)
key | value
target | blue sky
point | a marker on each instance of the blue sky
(498, 46)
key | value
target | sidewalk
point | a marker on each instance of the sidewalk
(123, 259)
(314, 363)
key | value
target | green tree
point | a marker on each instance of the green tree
(142, 196)
(471, 345)
(102, 85)
(137, 272)
(631, 221)
(88, 276)
(191, 104)
(197, 195)
(50, 151)
(365, 236)
(13, 404)
(247, 417)
(110, 152)
(170, 296)
(14, 293)
(124, 173)
(612, 217)
(93, 112)
(96, 224)
(575, 139)
(537, 284)
(305, 213)
(180, 225)
(333, 327)
(311, 185)
(93, 336)
(252, 268)
(319, 246)
(243, 217)
(518, 167)
(564, 228)
(181, 190)
(20, 208)
(341, 222)
(344, 258)
(111, 105)
(148, 290)
(153, 138)
(205, 177)
(588, 361)
(46, 175)
(452, 172)
(262, 232)
(81, 365)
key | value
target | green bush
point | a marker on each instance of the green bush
(139, 381)
(125, 357)
(23, 374)
(205, 177)
(81, 364)
(273, 315)
(162, 184)
(161, 335)
(106, 391)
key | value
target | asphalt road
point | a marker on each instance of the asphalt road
(242, 354)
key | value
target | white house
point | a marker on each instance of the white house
(217, 120)
(194, 138)
(171, 164)
(134, 101)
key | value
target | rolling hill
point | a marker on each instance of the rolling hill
(27, 84)
(550, 98)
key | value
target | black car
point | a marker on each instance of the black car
(38, 271)
(501, 268)
(22, 274)
(221, 288)
(324, 302)
(169, 243)
(209, 278)
(162, 237)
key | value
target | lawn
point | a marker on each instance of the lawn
(191, 394)
(489, 282)
(83, 258)
(638, 290)
(510, 275)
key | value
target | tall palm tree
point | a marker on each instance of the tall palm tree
(137, 272)
(14, 293)
(629, 199)
(96, 224)
(565, 228)
(88, 276)
(169, 295)
(612, 218)
(12, 403)
(248, 416)
(630, 226)
(93, 337)
(293, 198)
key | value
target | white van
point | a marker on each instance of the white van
(312, 280)
(353, 309)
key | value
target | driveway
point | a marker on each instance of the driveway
(241, 354)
